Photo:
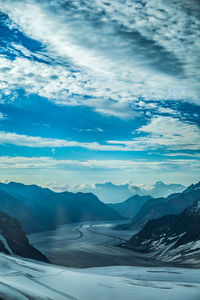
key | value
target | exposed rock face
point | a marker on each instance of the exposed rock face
(131, 206)
(14, 241)
(40, 209)
(173, 204)
(172, 237)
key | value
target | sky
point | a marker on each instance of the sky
(99, 90)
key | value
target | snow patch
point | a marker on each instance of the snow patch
(5, 244)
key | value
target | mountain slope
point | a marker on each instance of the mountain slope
(131, 206)
(173, 204)
(14, 241)
(172, 237)
(40, 209)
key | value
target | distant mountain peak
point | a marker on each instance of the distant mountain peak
(159, 183)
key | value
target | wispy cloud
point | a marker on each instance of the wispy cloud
(42, 142)
(49, 162)
(2, 116)
(98, 129)
(183, 154)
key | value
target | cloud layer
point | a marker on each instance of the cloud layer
(19, 162)
(108, 54)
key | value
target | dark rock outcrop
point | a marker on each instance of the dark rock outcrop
(14, 241)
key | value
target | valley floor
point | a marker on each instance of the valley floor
(94, 244)
(22, 279)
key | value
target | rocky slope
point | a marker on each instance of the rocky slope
(14, 241)
(172, 238)
(40, 209)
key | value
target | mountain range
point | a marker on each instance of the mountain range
(173, 204)
(40, 209)
(109, 192)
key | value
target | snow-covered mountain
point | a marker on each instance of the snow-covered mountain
(172, 238)
(13, 240)
(22, 279)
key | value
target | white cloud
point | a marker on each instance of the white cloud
(167, 133)
(184, 154)
(167, 110)
(98, 129)
(108, 50)
(2, 116)
(54, 82)
(171, 133)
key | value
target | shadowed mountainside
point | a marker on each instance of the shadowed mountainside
(40, 209)
(130, 207)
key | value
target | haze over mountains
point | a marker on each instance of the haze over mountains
(40, 209)
(109, 192)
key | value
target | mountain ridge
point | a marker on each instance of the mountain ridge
(173, 204)
(40, 209)
(130, 207)
(109, 192)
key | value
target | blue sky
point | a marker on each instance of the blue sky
(95, 91)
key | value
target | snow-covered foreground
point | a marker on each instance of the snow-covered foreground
(22, 279)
